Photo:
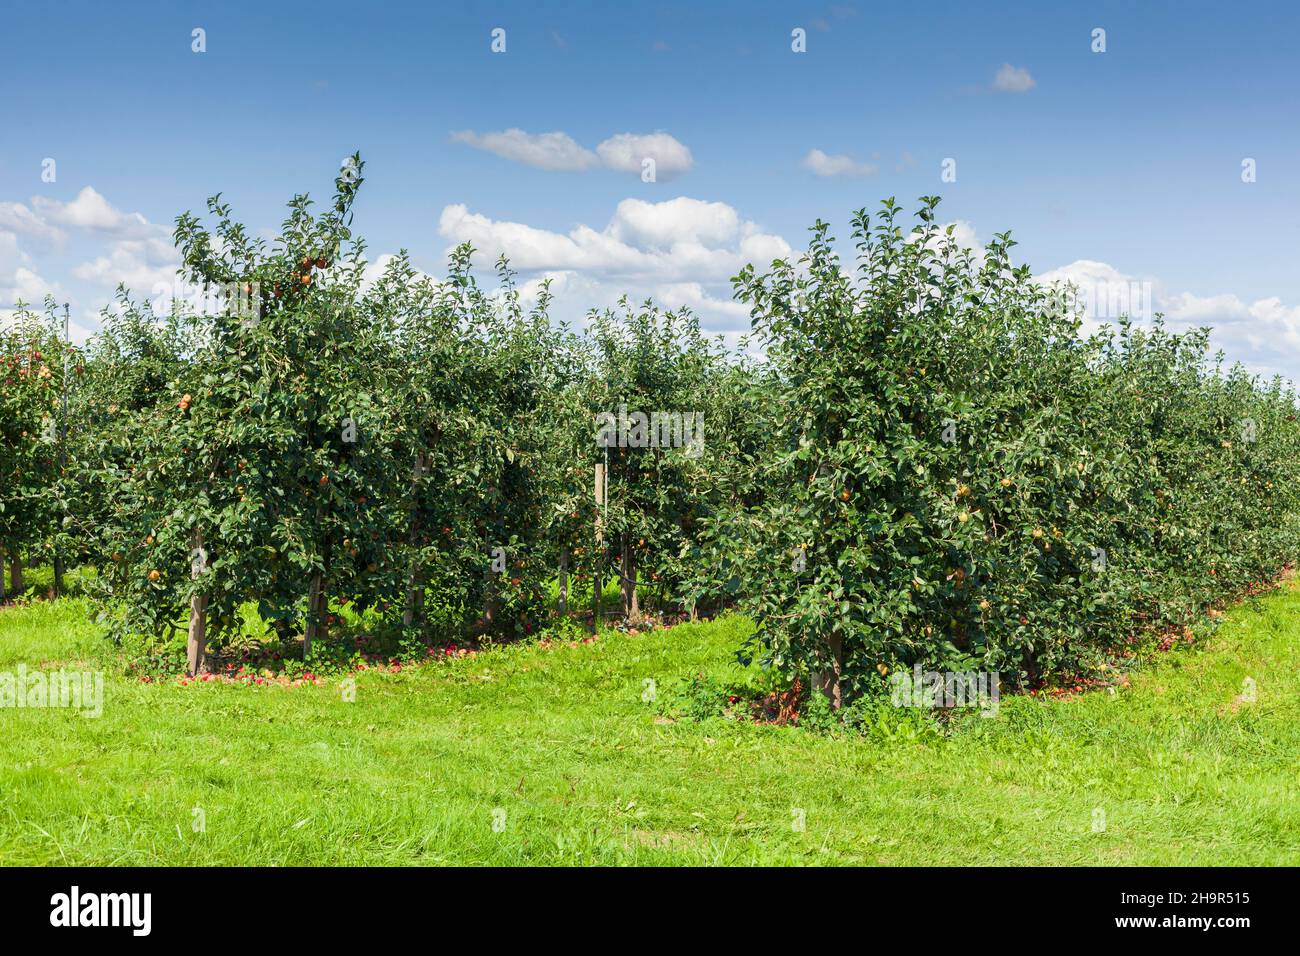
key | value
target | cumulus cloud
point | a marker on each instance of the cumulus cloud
(576, 293)
(1102, 294)
(18, 280)
(136, 252)
(1013, 79)
(624, 152)
(964, 234)
(678, 240)
(680, 252)
(555, 151)
(17, 218)
(11, 256)
(694, 296)
(143, 265)
(823, 164)
(375, 269)
(1264, 335)
(92, 212)
(627, 152)
(660, 225)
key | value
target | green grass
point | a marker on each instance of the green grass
(412, 771)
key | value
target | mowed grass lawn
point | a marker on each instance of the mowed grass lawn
(562, 742)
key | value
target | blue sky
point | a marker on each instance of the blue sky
(1115, 167)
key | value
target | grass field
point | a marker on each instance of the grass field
(525, 755)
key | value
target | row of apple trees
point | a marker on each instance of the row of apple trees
(32, 374)
(960, 479)
(424, 448)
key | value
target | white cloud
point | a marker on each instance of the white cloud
(92, 212)
(147, 265)
(11, 257)
(375, 269)
(20, 219)
(963, 233)
(1103, 293)
(680, 252)
(822, 164)
(660, 225)
(555, 151)
(625, 152)
(141, 253)
(574, 294)
(1264, 335)
(18, 280)
(1013, 79)
(678, 240)
(694, 296)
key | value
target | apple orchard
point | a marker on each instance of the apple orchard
(929, 464)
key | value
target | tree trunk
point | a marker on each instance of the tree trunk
(414, 609)
(58, 574)
(562, 605)
(16, 583)
(491, 606)
(314, 618)
(414, 601)
(631, 610)
(322, 610)
(414, 590)
(318, 602)
(2, 572)
(196, 649)
(828, 681)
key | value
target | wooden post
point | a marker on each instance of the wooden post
(196, 648)
(63, 442)
(598, 554)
